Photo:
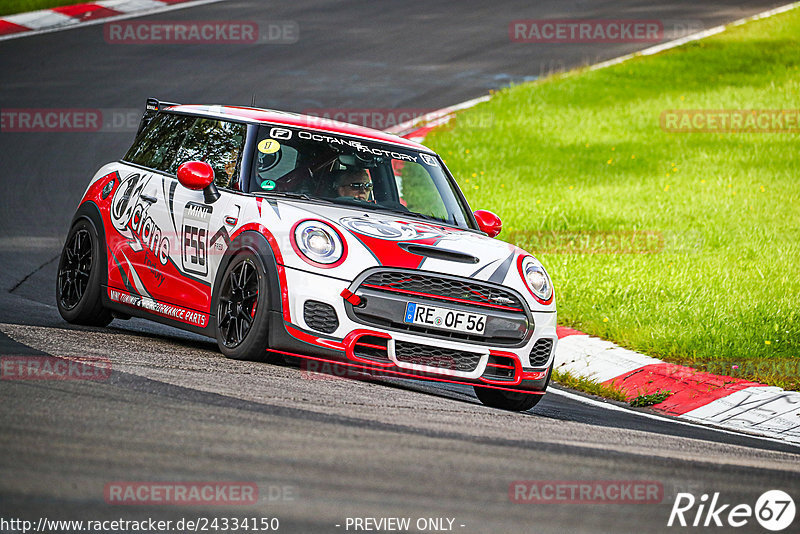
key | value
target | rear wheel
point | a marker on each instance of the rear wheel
(78, 282)
(243, 310)
(507, 400)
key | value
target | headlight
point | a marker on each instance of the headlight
(536, 279)
(318, 243)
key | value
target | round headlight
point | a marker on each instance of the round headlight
(536, 279)
(318, 242)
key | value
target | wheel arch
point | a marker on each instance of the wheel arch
(90, 212)
(255, 242)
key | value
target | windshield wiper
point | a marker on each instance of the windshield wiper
(413, 214)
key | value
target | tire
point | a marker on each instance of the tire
(242, 309)
(506, 400)
(78, 291)
(510, 400)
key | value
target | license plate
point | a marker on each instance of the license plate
(436, 317)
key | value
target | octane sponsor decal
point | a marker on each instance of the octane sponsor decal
(429, 160)
(280, 133)
(358, 145)
(172, 312)
(129, 216)
(389, 229)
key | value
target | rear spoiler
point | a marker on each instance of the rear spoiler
(151, 107)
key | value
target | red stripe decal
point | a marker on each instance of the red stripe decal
(273, 243)
(402, 374)
(439, 297)
(318, 341)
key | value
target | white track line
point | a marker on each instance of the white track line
(400, 129)
(695, 36)
(616, 408)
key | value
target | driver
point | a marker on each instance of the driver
(353, 183)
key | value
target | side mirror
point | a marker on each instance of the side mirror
(488, 222)
(198, 175)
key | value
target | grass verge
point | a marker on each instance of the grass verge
(9, 7)
(587, 386)
(578, 166)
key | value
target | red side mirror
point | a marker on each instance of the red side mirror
(488, 222)
(195, 175)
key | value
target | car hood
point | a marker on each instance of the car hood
(383, 239)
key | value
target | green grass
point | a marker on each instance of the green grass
(583, 152)
(648, 400)
(587, 386)
(9, 7)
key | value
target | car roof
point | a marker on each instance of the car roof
(269, 116)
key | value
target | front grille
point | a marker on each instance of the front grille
(464, 291)
(372, 348)
(541, 352)
(436, 357)
(500, 368)
(320, 316)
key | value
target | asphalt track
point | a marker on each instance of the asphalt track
(322, 449)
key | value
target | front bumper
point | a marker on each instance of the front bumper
(521, 359)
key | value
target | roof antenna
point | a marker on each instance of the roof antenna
(253, 101)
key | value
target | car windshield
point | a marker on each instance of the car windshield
(369, 175)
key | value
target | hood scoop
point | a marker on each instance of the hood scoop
(438, 253)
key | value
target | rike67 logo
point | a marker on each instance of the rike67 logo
(774, 510)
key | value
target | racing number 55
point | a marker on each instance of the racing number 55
(194, 238)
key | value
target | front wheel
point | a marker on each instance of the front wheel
(243, 310)
(78, 283)
(511, 400)
(507, 400)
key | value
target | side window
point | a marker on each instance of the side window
(157, 145)
(218, 143)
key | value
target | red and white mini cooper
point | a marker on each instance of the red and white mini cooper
(281, 234)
